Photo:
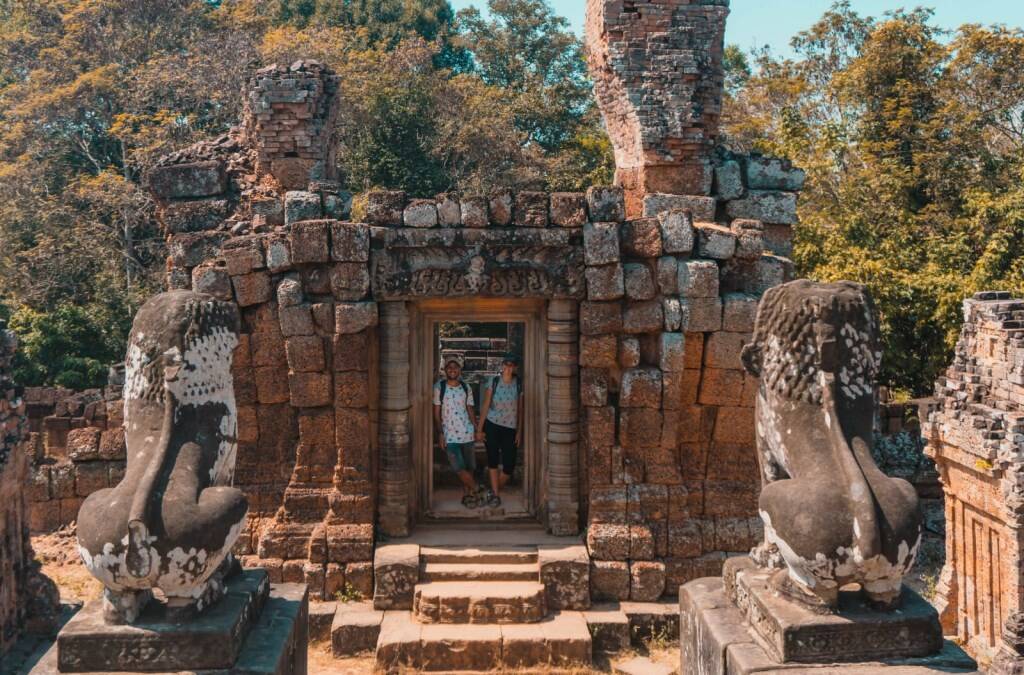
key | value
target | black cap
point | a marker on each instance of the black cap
(509, 357)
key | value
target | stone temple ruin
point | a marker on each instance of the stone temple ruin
(650, 425)
(28, 600)
(975, 432)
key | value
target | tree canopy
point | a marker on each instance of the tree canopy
(92, 92)
(913, 140)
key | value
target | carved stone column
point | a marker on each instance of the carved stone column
(563, 417)
(395, 439)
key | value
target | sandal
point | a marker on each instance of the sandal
(494, 501)
(470, 501)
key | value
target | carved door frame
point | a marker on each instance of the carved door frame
(424, 316)
(405, 413)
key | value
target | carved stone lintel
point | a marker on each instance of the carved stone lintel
(482, 269)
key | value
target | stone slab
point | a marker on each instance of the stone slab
(565, 573)
(279, 641)
(479, 602)
(716, 640)
(568, 639)
(321, 615)
(477, 572)
(398, 646)
(276, 644)
(453, 647)
(212, 640)
(356, 628)
(396, 571)
(641, 665)
(609, 628)
(651, 619)
(794, 634)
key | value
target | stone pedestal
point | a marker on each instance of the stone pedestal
(256, 628)
(716, 638)
(792, 633)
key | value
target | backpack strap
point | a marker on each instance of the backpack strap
(515, 380)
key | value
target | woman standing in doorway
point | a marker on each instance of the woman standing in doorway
(501, 425)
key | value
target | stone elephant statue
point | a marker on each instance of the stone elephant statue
(172, 520)
(831, 515)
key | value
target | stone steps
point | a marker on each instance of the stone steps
(432, 572)
(483, 555)
(558, 641)
(479, 602)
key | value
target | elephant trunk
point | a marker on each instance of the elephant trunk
(137, 557)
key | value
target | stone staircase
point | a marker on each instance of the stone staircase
(505, 599)
(477, 600)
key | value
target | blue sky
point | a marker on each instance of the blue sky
(753, 23)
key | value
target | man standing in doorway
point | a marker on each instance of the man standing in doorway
(455, 421)
(501, 424)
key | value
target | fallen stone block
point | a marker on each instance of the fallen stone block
(355, 628)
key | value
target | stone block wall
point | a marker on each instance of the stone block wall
(975, 434)
(668, 426)
(76, 445)
(28, 600)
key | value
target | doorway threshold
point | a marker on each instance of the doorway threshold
(478, 534)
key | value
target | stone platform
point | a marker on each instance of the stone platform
(716, 639)
(258, 628)
(792, 633)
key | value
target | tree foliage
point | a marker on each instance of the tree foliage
(92, 92)
(913, 144)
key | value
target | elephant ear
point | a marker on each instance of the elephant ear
(751, 356)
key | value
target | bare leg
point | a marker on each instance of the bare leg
(468, 484)
(496, 480)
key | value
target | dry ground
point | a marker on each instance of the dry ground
(59, 555)
(58, 552)
(322, 663)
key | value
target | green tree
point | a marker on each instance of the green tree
(526, 49)
(914, 162)
(93, 92)
(66, 346)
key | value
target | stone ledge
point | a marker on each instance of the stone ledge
(715, 640)
(276, 643)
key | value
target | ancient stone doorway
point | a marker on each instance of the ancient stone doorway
(430, 320)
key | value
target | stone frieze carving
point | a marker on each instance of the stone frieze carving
(478, 270)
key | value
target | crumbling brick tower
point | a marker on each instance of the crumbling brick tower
(289, 121)
(975, 433)
(658, 77)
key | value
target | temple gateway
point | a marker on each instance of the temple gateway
(686, 403)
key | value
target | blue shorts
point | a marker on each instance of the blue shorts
(460, 456)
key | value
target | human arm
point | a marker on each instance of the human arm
(488, 394)
(470, 410)
(438, 424)
(519, 420)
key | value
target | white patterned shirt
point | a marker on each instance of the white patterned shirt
(504, 410)
(454, 417)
